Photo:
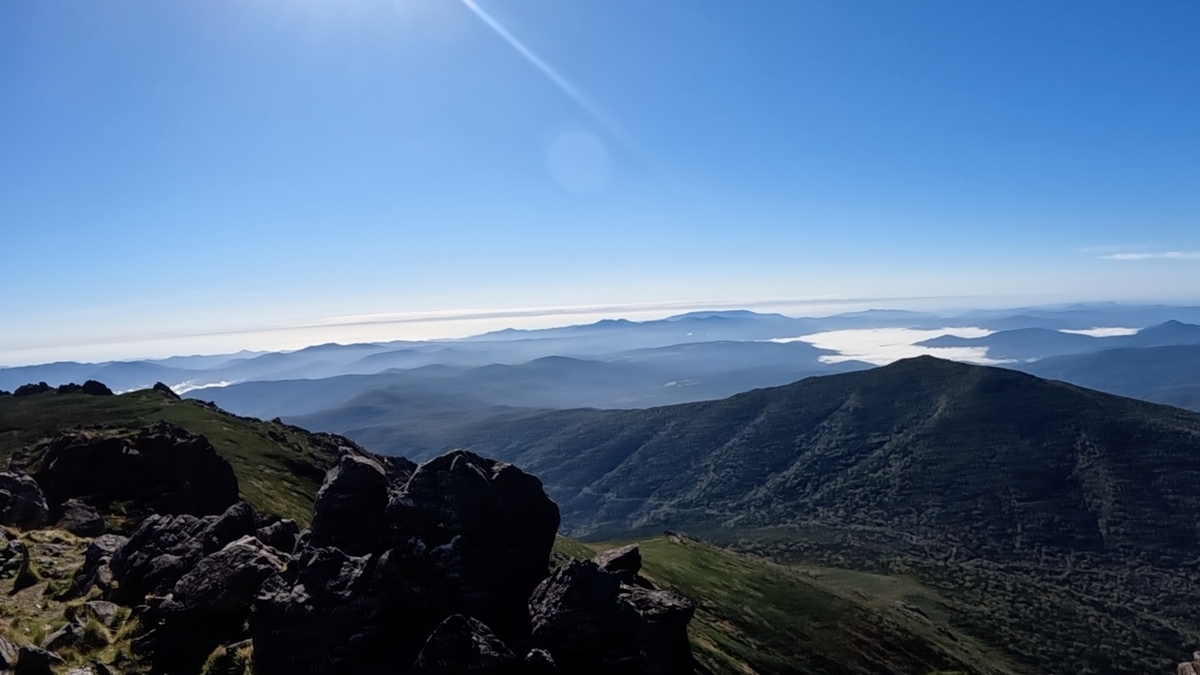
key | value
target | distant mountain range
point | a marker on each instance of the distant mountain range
(626, 364)
(1031, 344)
(1012, 496)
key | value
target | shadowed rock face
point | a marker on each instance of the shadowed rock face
(442, 580)
(164, 469)
(22, 504)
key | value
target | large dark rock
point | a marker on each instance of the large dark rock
(22, 503)
(460, 535)
(464, 645)
(94, 388)
(80, 519)
(497, 522)
(209, 604)
(32, 389)
(625, 562)
(592, 624)
(349, 507)
(96, 568)
(36, 661)
(280, 535)
(319, 615)
(165, 548)
(163, 469)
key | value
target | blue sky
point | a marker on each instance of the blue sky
(182, 176)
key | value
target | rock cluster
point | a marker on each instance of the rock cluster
(443, 568)
(163, 469)
(22, 503)
(434, 569)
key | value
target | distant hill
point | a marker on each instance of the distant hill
(1012, 496)
(1168, 375)
(632, 379)
(1031, 344)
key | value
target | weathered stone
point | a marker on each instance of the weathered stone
(22, 503)
(280, 535)
(348, 510)
(107, 613)
(464, 645)
(209, 604)
(164, 548)
(32, 389)
(319, 615)
(8, 654)
(36, 661)
(81, 519)
(625, 562)
(539, 662)
(94, 388)
(164, 469)
(69, 635)
(593, 624)
(96, 560)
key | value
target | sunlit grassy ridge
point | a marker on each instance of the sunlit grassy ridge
(279, 467)
(754, 616)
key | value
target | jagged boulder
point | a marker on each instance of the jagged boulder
(96, 568)
(80, 519)
(209, 604)
(22, 503)
(318, 615)
(163, 469)
(464, 645)
(497, 520)
(36, 661)
(280, 535)
(462, 535)
(625, 562)
(32, 389)
(94, 388)
(349, 507)
(165, 548)
(592, 624)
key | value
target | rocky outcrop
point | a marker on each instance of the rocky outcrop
(91, 388)
(349, 508)
(165, 548)
(625, 562)
(162, 469)
(32, 389)
(464, 645)
(460, 535)
(80, 519)
(96, 569)
(165, 390)
(592, 623)
(209, 604)
(280, 535)
(22, 503)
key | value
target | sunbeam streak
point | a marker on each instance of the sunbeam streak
(559, 81)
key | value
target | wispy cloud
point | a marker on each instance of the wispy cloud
(1168, 255)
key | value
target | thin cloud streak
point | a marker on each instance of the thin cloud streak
(1169, 255)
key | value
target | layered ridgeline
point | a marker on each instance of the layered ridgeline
(1059, 523)
(128, 548)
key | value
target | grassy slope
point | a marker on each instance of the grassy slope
(754, 616)
(277, 475)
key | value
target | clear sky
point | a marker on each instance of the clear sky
(172, 169)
